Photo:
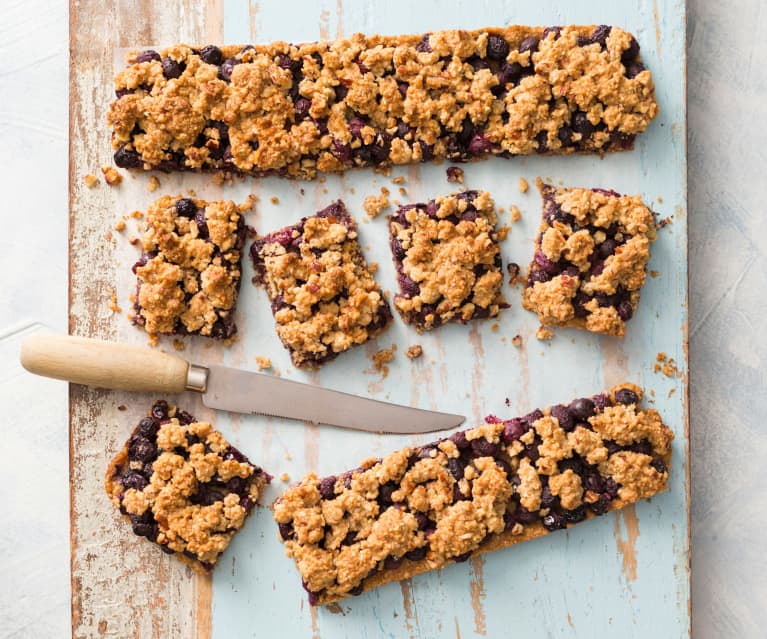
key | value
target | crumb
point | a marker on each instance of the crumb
(516, 216)
(671, 392)
(654, 274)
(219, 178)
(666, 365)
(507, 402)
(153, 185)
(523, 185)
(122, 407)
(137, 215)
(652, 393)
(373, 267)
(454, 174)
(285, 478)
(374, 204)
(517, 340)
(248, 204)
(288, 456)
(660, 200)
(111, 175)
(351, 190)
(400, 179)
(664, 222)
(383, 357)
(543, 333)
(120, 226)
(274, 199)
(415, 351)
(402, 190)
(325, 190)
(512, 268)
(113, 303)
(133, 241)
(503, 232)
(385, 170)
(263, 363)
(179, 345)
(91, 180)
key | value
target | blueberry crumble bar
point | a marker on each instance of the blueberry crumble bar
(298, 110)
(189, 271)
(324, 297)
(590, 259)
(478, 490)
(182, 486)
(448, 260)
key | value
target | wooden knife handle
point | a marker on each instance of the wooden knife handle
(104, 364)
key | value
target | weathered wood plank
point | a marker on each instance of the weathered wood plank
(120, 586)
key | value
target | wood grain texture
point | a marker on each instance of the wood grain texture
(121, 586)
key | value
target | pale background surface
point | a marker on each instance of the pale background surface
(726, 96)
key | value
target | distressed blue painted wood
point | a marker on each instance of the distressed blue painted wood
(621, 575)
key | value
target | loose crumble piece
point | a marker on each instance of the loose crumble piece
(448, 260)
(153, 185)
(111, 175)
(544, 334)
(515, 214)
(415, 351)
(90, 180)
(383, 357)
(319, 107)
(182, 486)
(523, 185)
(590, 259)
(478, 490)
(189, 272)
(263, 363)
(454, 174)
(323, 295)
(374, 204)
(517, 340)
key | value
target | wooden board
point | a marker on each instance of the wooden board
(623, 574)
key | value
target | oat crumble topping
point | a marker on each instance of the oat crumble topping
(299, 110)
(375, 204)
(324, 298)
(505, 481)
(182, 486)
(189, 271)
(111, 175)
(590, 260)
(448, 260)
(415, 351)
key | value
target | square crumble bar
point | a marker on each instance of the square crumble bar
(182, 486)
(478, 490)
(189, 271)
(298, 110)
(448, 260)
(324, 297)
(590, 259)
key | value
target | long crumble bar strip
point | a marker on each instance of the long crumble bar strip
(590, 259)
(324, 297)
(189, 271)
(448, 260)
(182, 486)
(299, 110)
(502, 483)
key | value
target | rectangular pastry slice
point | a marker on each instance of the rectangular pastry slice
(504, 482)
(448, 260)
(324, 297)
(298, 110)
(189, 271)
(590, 259)
(182, 486)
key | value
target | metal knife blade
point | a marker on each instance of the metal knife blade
(248, 392)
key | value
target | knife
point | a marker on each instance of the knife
(134, 368)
